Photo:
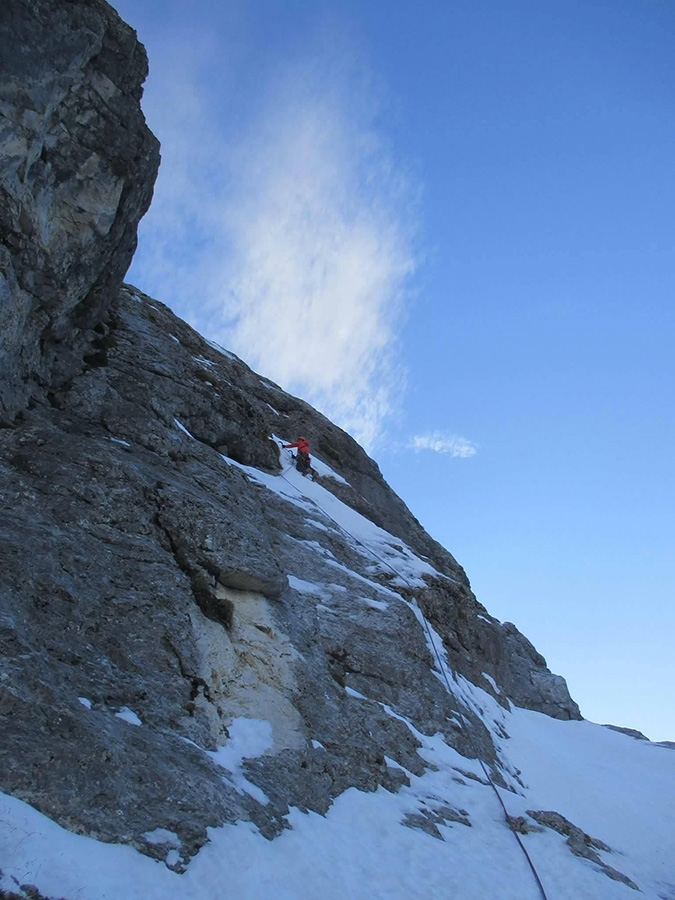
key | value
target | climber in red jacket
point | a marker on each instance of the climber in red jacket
(302, 460)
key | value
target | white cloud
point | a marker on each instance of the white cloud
(322, 257)
(451, 444)
(288, 238)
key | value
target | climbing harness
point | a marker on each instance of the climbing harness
(443, 670)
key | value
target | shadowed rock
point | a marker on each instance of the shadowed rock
(77, 167)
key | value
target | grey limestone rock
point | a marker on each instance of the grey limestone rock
(153, 590)
(631, 732)
(428, 818)
(527, 681)
(521, 825)
(143, 568)
(580, 843)
(77, 167)
(479, 645)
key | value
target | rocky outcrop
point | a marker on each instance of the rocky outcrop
(159, 580)
(493, 655)
(523, 675)
(143, 568)
(580, 843)
(77, 167)
(631, 732)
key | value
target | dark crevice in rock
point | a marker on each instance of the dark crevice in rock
(202, 583)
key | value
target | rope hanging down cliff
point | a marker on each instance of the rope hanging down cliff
(442, 669)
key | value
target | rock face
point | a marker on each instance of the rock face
(142, 567)
(77, 166)
(161, 579)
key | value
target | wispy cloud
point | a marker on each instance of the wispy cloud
(290, 237)
(451, 444)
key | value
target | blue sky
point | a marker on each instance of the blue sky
(450, 226)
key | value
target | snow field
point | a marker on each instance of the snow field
(360, 849)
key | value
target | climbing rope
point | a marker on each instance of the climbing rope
(443, 670)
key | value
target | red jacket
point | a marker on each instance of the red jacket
(302, 444)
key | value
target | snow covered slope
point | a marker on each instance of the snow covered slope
(441, 834)
(617, 789)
